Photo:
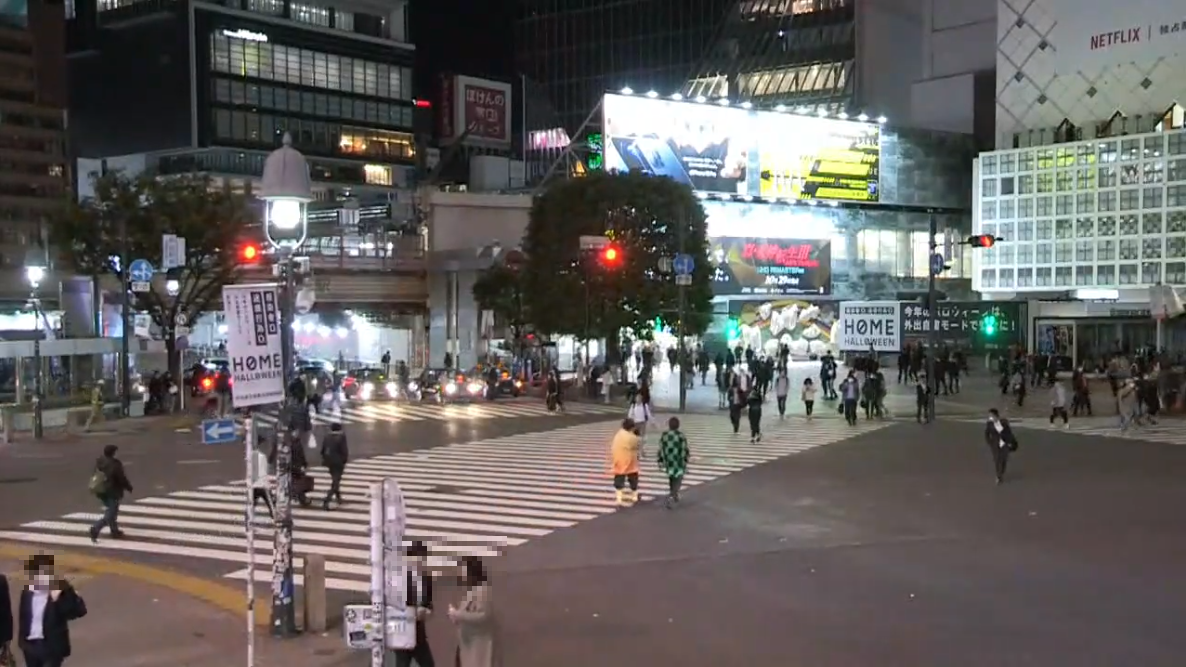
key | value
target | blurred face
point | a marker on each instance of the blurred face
(43, 577)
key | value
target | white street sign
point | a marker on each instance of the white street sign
(172, 252)
(253, 343)
(305, 299)
(685, 279)
(141, 286)
(871, 324)
(142, 325)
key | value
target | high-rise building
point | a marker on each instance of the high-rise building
(34, 176)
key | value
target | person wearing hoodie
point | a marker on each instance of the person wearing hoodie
(623, 454)
(334, 456)
(1058, 403)
(109, 483)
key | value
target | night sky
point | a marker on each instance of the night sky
(461, 37)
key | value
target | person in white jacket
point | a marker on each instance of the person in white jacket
(261, 482)
(640, 411)
(1058, 403)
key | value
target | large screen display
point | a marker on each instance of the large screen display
(770, 266)
(735, 151)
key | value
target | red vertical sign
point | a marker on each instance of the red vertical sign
(485, 112)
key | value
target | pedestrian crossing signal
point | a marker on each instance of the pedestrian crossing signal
(732, 330)
(988, 324)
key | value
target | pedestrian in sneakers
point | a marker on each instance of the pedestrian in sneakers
(782, 387)
(673, 459)
(808, 396)
(754, 405)
(623, 454)
(1058, 403)
(998, 435)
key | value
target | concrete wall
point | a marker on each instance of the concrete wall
(459, 226)
(924, 168)
(958, 44)
(889, 33)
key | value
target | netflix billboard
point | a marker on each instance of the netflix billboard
(480, 107)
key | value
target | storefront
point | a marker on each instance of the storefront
(1091, 332)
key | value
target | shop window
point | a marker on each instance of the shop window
(1150, 273)
(1151, 223)
(1151, 248)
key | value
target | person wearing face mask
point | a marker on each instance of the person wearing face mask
(46, 609)
(998, 435)
(420, 599)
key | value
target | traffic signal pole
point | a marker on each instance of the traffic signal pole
(683, 303)
(932, 335)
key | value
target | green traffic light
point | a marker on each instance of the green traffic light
(732, 330)
(989, 325)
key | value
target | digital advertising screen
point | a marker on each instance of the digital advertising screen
(735, 151)
(758, 266)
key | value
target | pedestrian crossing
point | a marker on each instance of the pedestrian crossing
(1168, 431)
(476, 498)
(381, 412)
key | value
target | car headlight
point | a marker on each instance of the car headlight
(475, 387)
(141, 388)
(413, 386)
(368, 387)
(392, 388)
(450, 388)
(518, 384)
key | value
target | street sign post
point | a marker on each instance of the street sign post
(140, 272)
(938, 264)
(218, 431)
(683, 264)
(172, 251)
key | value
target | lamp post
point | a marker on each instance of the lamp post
(285, 191)
(35, 273)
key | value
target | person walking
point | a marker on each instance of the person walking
(673, 459)
(782, 387)
(478, 644)
(335, 454)
(6, 625)
(850, 392)
(419, 599)
(808, 397)
(45, 610)
(96, 414)
(624, 452)
(109, 483)
(922, 398)
(1128, 404)
(998, 435)
(260, 483)
(1058, 404)
(754, 405)
(640, 412)
(736, 403)
(1080, 392)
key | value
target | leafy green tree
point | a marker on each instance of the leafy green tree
(213, 220)
(499, 290)
(578, 293)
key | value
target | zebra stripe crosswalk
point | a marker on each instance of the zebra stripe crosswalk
(476, 498)
(1168, 432)
(381, 412)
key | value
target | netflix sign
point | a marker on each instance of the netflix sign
(759, 266)
(479, 109)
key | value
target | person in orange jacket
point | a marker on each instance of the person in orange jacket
(623, 452)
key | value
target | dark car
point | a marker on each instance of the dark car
(202, 377)
(445, 385)
(498, 380)
(368, 384)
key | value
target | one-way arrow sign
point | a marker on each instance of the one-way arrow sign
(218, 431)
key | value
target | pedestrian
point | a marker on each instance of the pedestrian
(419, 600)
(1080, 392)
(624, 452)
(45, 610)
(260, 483)
(478, 643)
(736, 403)
(754, 403)
(673, 459)
(96, 414)
(723, 378)
(808, 397)
(7, 659)
(782, 387)
(1127, 404)
(640, 412)
(998, 435)
(109, 483)
(922, 398)
(850, 391)
(335, 454)
(1058, 404)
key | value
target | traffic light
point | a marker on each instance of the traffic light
(732, 330)
(988, 324)
(982, 241)
(249, 253)
(610, 256)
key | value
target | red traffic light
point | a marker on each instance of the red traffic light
(982, 241)
(249, 253)
(610, 255)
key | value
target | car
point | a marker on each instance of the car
(445, 385)
(202, 377)
(367, 384)
(505, 384)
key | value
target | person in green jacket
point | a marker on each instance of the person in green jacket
(673, 459)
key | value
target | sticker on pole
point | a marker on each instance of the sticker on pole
(253, 343)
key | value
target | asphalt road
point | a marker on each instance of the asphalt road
(895, 548)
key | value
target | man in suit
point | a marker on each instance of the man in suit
(419, 598)
(6, 628)
(998, 435)
(46, 609)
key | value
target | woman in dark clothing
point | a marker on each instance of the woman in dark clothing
(754, 401)
(46, 609)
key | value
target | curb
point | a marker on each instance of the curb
(226, 598)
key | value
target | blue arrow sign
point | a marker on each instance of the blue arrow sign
(937, 265)
(683, 265)
(218, 431)
(140, 270)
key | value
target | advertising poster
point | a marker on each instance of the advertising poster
(759, 266)
(734, 151)
(480, 106)
(252, 315)
(870, 325)
(1090, 35)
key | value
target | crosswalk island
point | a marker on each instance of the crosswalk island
(474, 498)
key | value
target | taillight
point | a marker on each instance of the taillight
(348, 381)
(207, 383)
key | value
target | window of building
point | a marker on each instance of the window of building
(988, 210)
(1065, 181)
(1175, 273)
(1045, 230)
(1025, 253)
(1105, 225)
(988, 187)
(1006, 278)
(1063, 276)
(344, 20)
(1151, 223)
(1008, 186)
(1175, 170)
(1084, 227)
(1045, 206)
(1064, 229)
(1107, 177)
(309, 14)
(1175, 222)
(1128, 225)
(1105, 251)
(1025, 278)
(1107, 152)
(271, 7)
(1154, 171)
(377, 174)
(1025, 185)
(1084, 275)
(1064, 205)
(1084, 251)
(1152, 197)
(1065, 157)
(1176, 143)
(1025, 161)
(1130, 149)
(1042, 277)
(1130, 174)
(376, 143)
(1175, 196)
(1008, 164)
(1045, 182)
(1105, 275)
(1151, 273)
(1130, 199)
(1128, 274)
(1025, 230)
(1175, 247)
(988, 277)
(1085, 154)
(1025, 207)
(988, 165)
(328, 106)
(1106, 201)
(1151, 248)
(1005, 209)
(1045, 158)
(1085, 202)
(1154, 146)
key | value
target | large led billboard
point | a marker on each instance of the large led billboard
(756, 266)
(735, 151)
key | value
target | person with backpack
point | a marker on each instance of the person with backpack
(109, 483)
(334, 456)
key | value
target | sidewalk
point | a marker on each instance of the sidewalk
(153, 425)
(131, 623)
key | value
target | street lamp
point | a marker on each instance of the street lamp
(35, 273)
(286, 191)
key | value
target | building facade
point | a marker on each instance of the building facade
(34, 174)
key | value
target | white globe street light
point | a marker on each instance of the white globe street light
(35, 271)
(35, 274)
(286, 189)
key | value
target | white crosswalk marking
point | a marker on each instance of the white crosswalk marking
(1169, 432)
(471, 498)
(379, 412)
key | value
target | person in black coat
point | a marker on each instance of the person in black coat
(6, 628)
(112, 492)
(998, 435)
(46, 609)
(420, 599)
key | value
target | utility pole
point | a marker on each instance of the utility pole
(681, 281)
(932, 335)
(125, 391)
(283, 588)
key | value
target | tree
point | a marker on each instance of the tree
(568, 291)
(90, 236)
(498, 289)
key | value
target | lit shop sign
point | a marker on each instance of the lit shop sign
(245, 35)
